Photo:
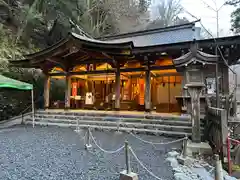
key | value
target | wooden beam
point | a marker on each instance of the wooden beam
(167, 74)
(108, 51)
(162, 67)
(113, 70)
(93, 72)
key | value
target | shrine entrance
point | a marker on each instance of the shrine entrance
(97, 90)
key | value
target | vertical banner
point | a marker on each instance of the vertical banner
(141, 83)
(74, 88)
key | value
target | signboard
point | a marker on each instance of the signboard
(211, 85)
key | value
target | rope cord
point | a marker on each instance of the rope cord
(84, 137)
(105, 151)
(211, 170)
(158, 143)
(143, 166)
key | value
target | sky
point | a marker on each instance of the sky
(207, 15)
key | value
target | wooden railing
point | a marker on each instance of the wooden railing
(216, 129)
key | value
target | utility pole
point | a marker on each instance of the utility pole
(217, 16)
(216, 10)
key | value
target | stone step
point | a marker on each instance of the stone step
(115, 114)
(109, 118)
(113, 128)
(119, 124)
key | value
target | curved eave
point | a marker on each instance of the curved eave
(198, 56)
(81, 40)
(49, 50)
(102, 44)
(24, 63)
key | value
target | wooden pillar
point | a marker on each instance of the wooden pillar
(128, 88)
(117, 88)
(195, 91)
(225, 83)
(46, 91)
(147, 95)
(67, 91)
(93, 87)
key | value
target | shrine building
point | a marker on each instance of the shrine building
(139, 71)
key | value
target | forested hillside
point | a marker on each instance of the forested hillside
(27, 26)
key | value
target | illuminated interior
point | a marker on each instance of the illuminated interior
(165, 86)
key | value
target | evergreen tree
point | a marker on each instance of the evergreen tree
(235, 16)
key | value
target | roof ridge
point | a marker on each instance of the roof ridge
(154, 30)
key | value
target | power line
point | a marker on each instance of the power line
(221, 54)
(216, 10)
(207, 5)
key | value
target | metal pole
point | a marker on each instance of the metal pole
(127, 158)
(78, 125)
(88, 145)
(235, 96)
(88, 137)
(33, 109)
(218, 168)
(217, 66)
(184, 154)
(217, 22)
(216, 79)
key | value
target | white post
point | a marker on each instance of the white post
(218, 168)
(33, 111)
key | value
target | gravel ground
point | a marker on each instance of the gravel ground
(53, 153)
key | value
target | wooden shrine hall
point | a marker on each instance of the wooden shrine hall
(140, 71)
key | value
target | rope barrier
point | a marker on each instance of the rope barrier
(105, 151)
(158, 143)
(143, 166)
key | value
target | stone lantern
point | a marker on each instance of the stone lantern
(193, 66)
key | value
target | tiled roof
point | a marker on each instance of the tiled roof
(197, 56)
(168, 35)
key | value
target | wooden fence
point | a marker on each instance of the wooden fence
(217, 129)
